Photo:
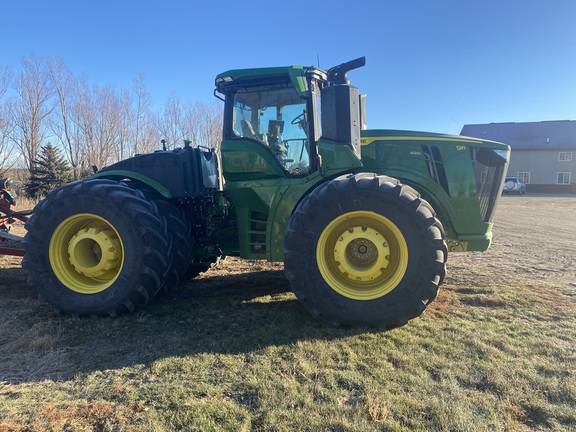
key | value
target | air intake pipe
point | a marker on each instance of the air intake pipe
(341, 119)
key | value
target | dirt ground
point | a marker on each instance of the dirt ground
(534, 240)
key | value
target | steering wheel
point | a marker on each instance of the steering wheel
(298, 119)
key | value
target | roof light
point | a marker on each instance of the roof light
(225, 79)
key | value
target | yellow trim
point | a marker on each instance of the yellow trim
(369, 140)
(362, 255)
(86, 253)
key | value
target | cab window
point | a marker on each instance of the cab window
(276, 117)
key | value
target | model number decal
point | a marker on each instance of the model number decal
(460, 148)
(415, 153)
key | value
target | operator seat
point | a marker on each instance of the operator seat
(247, 129)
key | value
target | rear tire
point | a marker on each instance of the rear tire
(365, 250)
(96, 247)
(180, 230)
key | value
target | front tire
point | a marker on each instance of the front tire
(96, 247)
(365, 250)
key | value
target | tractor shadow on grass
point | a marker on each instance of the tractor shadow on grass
(237, 313)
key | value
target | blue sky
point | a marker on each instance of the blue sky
(430, 65)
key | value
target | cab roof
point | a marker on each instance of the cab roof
(241, 76)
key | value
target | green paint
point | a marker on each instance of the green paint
(121, 174)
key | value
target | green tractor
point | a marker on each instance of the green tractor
(362, 219)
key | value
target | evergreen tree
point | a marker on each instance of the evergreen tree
(49, 171)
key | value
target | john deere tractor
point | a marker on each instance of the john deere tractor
(363, 220)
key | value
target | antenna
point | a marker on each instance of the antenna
(318, 60)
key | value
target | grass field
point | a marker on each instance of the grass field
(235, 351)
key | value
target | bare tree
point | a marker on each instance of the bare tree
(32, 106)
(124, 146)
(138, 132)
(209, 127)
(200, 123)
(6, 124)
(99, 121)
(203, 124)
(82, 118)
(7, 159)
(171, 122)
(5, 79)
(62, 124)
(150, 140)
(144, 134)
(190, 124)
(93, 124)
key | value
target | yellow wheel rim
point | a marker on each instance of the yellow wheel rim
(362, 255)
(86, 253)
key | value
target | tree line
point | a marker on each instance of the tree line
(43, 103)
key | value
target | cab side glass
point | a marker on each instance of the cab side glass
(275, 117)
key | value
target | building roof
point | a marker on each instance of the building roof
(557, 134)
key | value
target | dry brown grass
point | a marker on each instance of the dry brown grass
(234, 350)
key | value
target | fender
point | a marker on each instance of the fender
(133, 175)
(180, 173)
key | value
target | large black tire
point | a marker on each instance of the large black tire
(365, 250)
(96, 248)
(180, 230)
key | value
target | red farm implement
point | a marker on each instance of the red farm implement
(7, 218)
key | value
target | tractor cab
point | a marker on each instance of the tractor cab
(270, 122)
(274, 119)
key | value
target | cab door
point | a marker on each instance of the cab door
(266, 133)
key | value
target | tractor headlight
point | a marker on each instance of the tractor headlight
(504, 154)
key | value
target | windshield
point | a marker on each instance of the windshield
(275, 116)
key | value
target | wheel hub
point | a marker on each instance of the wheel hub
(94, 252)
(361, 253)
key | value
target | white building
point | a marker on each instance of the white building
(543, 153)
